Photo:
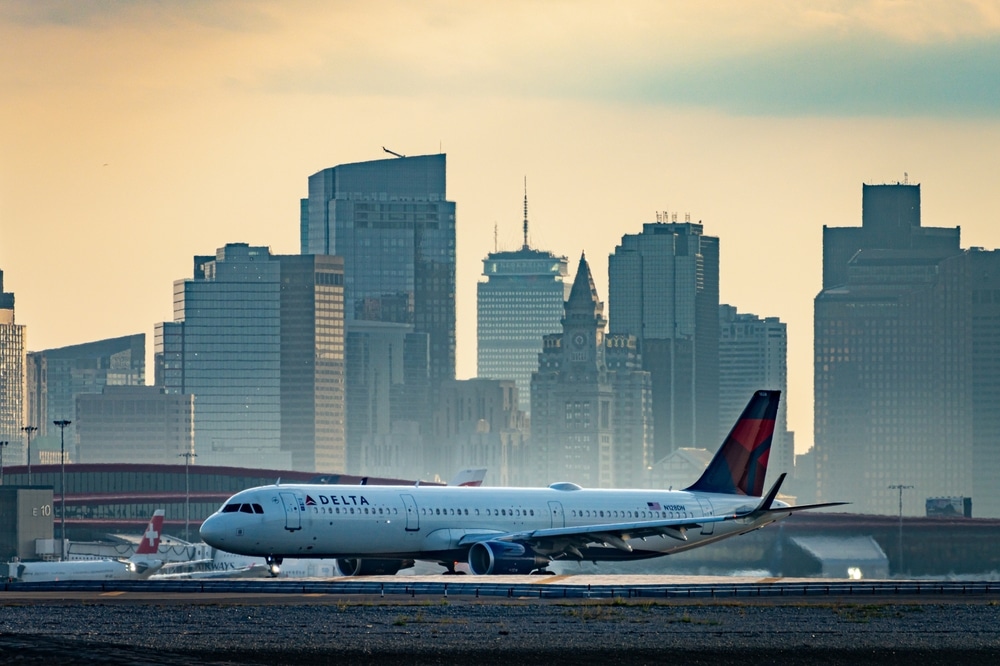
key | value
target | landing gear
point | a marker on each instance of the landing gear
(273, 565)
(450, 569)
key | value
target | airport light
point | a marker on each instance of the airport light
(2, 444)
(187, 492)
(61, 424)
(900, 487)
(29, 429)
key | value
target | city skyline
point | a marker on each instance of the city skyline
(144, 135)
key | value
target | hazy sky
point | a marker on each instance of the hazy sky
(138, 134)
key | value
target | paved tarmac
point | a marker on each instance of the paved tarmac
(132, 627)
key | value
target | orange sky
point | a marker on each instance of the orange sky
(138, 134)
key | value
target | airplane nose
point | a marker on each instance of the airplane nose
(211, 532)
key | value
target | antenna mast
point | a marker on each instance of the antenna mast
(525, 246)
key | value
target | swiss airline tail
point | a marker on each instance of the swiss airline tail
(150, 543)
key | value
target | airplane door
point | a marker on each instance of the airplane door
(412, 517)
(293, 511)
(706, 510)
(558, 517)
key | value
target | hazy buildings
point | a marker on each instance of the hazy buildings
(753, 355)
(134, 424)
(388, 402)
(478, 424)
(892, 351)
(589, 424)
(521, 301)
(56, 377)
(664, 290)
(12, 379)
(258, 339)
(391, 223)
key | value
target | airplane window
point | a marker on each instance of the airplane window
(352, 509)
(477, 512)
(437, 511)
(487, 512)
(246, 508)
(231, 508)
(602, 514)
(532, 512)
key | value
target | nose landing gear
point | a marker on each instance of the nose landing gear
(273, 565)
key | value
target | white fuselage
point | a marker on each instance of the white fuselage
(429, 522)
(48, 572)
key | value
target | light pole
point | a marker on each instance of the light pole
(900, 487)
(61, 424)
(187, 493)
(2, 444)
(29, 429)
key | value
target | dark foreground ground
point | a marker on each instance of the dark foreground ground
(313, 630)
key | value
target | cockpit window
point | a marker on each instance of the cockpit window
(257, 508)
(246, 508)
(231, 508)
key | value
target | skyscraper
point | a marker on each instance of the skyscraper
(258, 339)
(590, 418)
(892, 354)
(521, 301)
(391, 222)
(664, 290)
(12, 377)
(57, 377)
(753, 355)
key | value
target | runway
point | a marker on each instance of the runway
(524, 620)
(554, 587)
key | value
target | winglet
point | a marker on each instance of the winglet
(765, 504)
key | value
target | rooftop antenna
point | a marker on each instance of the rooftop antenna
(906, 178)
(525, 246)
(495, 246)
(392, 152)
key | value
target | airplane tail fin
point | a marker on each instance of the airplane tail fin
(739, 465)
(469, 477)
(150, 543)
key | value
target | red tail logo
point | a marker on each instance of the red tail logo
(150, 543)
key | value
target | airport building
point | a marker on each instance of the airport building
(258, 340)
(520, 302)
(13, 388)
(664, 290)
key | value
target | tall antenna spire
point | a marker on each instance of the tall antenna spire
(495, 250)
(525, 246)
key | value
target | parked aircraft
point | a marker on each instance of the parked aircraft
(141, 565)
(377, 529)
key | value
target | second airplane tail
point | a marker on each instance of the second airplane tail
(739, 465)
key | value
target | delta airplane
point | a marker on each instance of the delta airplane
(140, 566)
(378, 529)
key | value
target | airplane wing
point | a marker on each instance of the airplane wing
(471, 477)
(613, 534)
(618, 535)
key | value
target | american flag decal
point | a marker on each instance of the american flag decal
(654, 506)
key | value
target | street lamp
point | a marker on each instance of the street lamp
(900, 488)
(29, 429)
(187, 493)
(2, 444)
(61, 424)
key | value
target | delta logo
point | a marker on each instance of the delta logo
(337, 500)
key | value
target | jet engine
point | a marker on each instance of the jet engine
(501, 557)
(353, 566)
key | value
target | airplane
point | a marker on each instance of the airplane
(140, 566)
(378, 529)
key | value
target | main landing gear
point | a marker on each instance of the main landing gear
(273, 565)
